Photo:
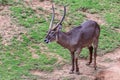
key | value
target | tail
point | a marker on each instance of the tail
(97, 31)
(97, 34)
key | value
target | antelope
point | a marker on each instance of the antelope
(85, 35)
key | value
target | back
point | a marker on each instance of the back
(90, 32)
(85, 34)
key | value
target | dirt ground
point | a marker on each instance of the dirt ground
(108, 64)
(8, 29)
(87, 72)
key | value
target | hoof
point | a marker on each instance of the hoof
(88, 64)
(95, 68)
(71, 72)
(78, 73)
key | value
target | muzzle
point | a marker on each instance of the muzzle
(46, 41)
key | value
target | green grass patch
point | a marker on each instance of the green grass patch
(109, 39)
(113, 20)
(82, 5)
(6, 2)
(16, 59)
(108, 9)
(25, 16)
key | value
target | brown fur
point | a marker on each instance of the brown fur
(85, 35)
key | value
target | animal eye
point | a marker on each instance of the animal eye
(52, 32)
(46, 31)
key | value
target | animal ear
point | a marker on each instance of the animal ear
(59, 27)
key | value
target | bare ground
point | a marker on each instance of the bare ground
(95, 17)
(87, 72)
(45, 7)
(8, 29)
(107, 64)
(104, 63)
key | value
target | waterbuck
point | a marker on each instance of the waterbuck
(85, 35)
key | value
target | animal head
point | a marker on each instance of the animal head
(53, 31)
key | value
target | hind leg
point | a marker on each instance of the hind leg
(90, 55)
(95, 52)
(95, 55)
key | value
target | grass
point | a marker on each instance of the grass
(109, 38)
(6, 2)
(25, 16)
(107, 9)
(16, 59)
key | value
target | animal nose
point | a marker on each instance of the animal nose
(46, 40)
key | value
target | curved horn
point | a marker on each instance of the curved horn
(62, 17)
(53, 15)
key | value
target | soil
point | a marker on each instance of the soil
(45, 7)
(107, 65)
(8, 29)
(104, 62)
(117, 30)
(95, 17)
(112, 73)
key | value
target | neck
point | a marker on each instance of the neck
(62, 39)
